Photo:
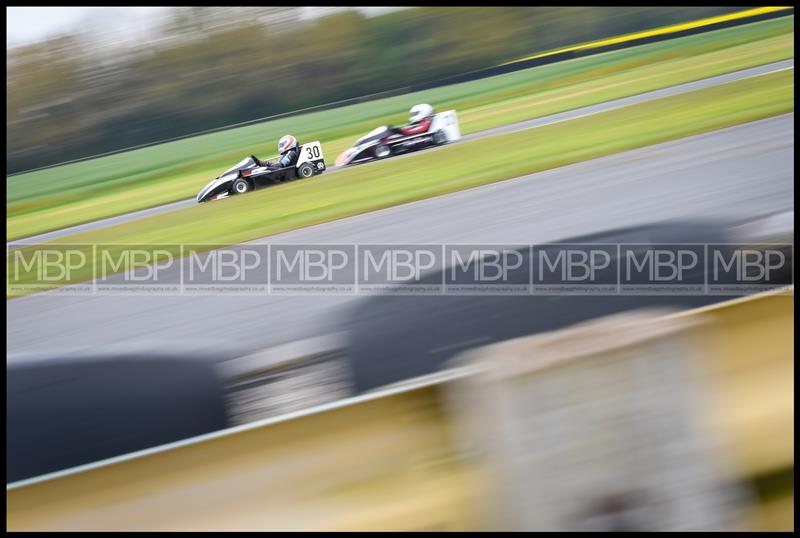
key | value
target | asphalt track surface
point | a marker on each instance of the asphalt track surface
(734, 173)
(529, 124)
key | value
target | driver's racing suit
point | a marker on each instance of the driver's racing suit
(417, 128)
(286, 160)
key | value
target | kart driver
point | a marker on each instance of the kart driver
(289, 152)
(419, 121)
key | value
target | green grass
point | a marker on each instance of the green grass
(81, 192)
(360, 189)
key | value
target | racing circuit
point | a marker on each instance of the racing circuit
(529, 124)
(155, 395)
(738, 172)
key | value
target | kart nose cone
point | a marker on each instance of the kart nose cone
(344, 158)
(201, 195)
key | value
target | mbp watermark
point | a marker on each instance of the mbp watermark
(139, 269)
(400, 269)
(216, 269)
(570, 269)
(487, 270)
(672, 269)
(744, 269)
(312, 269)
(63, 269)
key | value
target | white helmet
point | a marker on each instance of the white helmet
(286, 143)
(420, 112)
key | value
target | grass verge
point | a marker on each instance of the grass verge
(82, 192)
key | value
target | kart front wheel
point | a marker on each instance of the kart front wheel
(305, 171)
(439, 138)
(241, 186)
(382, 151)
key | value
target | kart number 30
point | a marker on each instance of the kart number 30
(313, 152)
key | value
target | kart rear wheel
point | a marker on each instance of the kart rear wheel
(305, 171)
(241, 186)
(382, 151)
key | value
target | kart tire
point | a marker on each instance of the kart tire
(382, 151)
(305, 171)
(439, 138)
(240, 186)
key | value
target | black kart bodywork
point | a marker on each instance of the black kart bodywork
(251, 174)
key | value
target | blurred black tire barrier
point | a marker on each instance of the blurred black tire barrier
(396, 338)
(73, 412)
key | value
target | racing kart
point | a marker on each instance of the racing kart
(251, 174)
(387, 141)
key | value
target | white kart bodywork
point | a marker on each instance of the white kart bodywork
(446, 122)
(310, 153)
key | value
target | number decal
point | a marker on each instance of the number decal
(313, 152)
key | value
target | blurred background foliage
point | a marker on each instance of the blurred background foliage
(73, 96)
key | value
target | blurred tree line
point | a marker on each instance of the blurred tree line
(71, 96)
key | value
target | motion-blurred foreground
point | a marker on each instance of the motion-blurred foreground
(644, 413)
(646, 421)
